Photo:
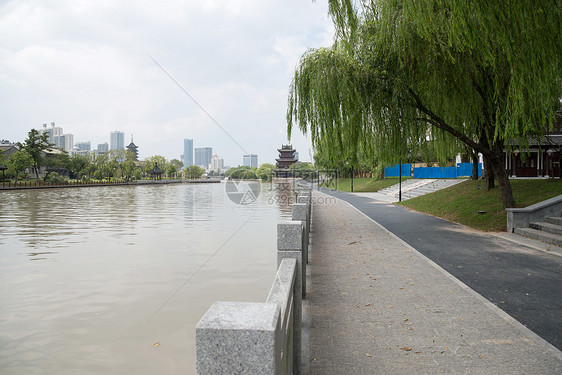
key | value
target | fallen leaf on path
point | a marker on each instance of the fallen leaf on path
(368, 355)
(156, 344)
(406, 348)
(352, 243)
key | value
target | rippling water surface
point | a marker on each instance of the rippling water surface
(113, 280)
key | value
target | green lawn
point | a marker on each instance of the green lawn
(460, 203)
(362, 184)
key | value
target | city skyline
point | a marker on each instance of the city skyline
(117, 141)
(89, 67)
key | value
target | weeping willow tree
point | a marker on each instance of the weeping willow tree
(474, 73)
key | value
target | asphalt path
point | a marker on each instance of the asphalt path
(524, 282)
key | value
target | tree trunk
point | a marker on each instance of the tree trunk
(488, 172)
(496, 162)
(474, 165)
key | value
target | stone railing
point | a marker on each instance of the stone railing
(522, 217)
(263, 338)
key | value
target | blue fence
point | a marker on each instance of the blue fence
(404, 169)
(461, 170)
(465, 169)
(435, 172)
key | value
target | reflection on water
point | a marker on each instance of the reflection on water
(114, 279)
(284, 197)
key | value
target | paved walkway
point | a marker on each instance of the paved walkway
(377, 306)
(525, 283)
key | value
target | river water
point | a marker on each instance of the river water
(113, 280)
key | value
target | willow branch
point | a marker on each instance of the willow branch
(439, 123)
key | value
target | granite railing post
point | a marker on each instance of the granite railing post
(238, 338)
(283, 294)
(251, 338)
(289, 245)
(306, 197)
(263, 338)
(300, 212)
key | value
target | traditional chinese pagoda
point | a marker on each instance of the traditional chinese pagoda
(286, 158)
(134, 148)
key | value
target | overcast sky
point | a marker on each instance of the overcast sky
(86, 65)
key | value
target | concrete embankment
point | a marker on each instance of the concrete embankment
(26, 186)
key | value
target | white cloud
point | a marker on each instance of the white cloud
(84, 64)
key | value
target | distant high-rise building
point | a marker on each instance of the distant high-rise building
(64, 142)
(117, 140)
(53, 131)
(203, 156)
(250, 160)
(83, 146)
(103, 147)
(188, 152)
(217, 163)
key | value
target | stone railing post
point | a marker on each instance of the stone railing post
(238, 338)
(289, 245)
(305, 196)
(300, 213)
(251, 338)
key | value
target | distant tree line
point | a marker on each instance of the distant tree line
(36, 152)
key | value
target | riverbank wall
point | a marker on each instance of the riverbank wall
(263, 338)
(26, 185)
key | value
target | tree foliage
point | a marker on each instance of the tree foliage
(303, 170)
(194, 172)
(242, 173)
(18, 162)
(150, 162)
(79, 166)
(478, 73)
(266, 172)
(35, 145)
(176, 164)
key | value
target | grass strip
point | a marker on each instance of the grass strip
(362, 184)
(461, 203)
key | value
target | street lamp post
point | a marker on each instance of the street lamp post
(352, 178)
(347, 162)
(400, 180)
